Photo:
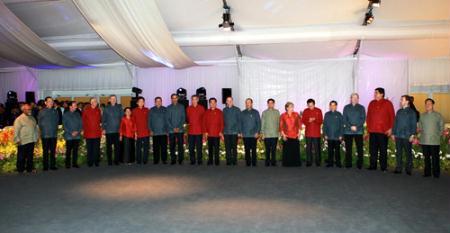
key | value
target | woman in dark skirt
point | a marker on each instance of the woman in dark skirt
(290, 124)
(128, 136)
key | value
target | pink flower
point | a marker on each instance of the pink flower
(416, 141)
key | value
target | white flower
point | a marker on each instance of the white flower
(392, 155)
(447, 156)
(366, 155)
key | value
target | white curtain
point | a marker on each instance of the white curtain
(21, 45)
(116, 77)
(136, 30)
(164, 81)
(19, 80)
(322, 80)
(429, 72)
(391, 74)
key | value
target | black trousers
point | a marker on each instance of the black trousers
(313, 150)
(334, 153)
(176, 140)
(195, 148)
(48, 150)
(402, 145)
(291, 153)
(432, 162)
(25, 157)
(112, 140)
(142, 147)
(271, 150)
(93, 151)
(378, 143)
(213, 150)
(250, 151)
(231, 148)
(72, 152)
(128, 145)
(358, 138)
(159, 148)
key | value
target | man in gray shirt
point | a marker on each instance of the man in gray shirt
(25, 135)
(48, 119)
(112, 115)
(232, 127)
(270, 124)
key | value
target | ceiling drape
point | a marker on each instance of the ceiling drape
(20, 44)
(136, 30)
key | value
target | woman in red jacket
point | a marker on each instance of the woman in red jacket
(92, 120)
(128, 136)
(290, 124)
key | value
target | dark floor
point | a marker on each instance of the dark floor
(158, 198)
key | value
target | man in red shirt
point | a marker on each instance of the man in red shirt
(140, 118)
(92, 129)
(213, 130)
(312, 118)
(194, 114)
(380, 120)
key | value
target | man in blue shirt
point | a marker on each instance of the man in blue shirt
(176, 117)
(111, 118)
(354, 117)
(48, 119)
(232, 127)
(72, 130)
(158, 130)
(250, 128)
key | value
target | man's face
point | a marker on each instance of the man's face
(140, 103)
(403, 102)
(271, 104)
(229, 101)
(248, 104)
(429, 106)
(49, 103)
(174, 99)
(194, 101)
(354, 99)
(213, 104)
(113, 100)
(158, 102)
(333, 107)
(73, 107)
(94, 103)
(311, 105)
(26, 109)
(377, 95)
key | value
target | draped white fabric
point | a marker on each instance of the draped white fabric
(20, 44)
(164, 81)
(322, 80)
(20, 81)
(116, 77)
(391, 74)
(136, 30)
(429, 72)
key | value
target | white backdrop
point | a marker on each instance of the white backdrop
(20, 81)
(322, 80)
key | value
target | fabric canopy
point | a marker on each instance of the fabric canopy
(21, 45)
(136, 30)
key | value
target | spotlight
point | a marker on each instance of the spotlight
(227, 24)
(375, 3)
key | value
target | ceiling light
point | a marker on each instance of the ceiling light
(375, 3)
(227, 24)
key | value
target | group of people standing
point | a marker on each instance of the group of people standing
(132, 129)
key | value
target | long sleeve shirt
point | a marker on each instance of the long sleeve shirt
(25, 129)
(405, 123)
(250, 123)
(195, 119)
(270, 122)
(157, 120)
(354, 115)
(232, 120)
(72, 123)
(92, 119)
(48, 119)
(431, 125)
(127, 127)
(140, 118)
(333, 125)
(112, 115)
(213, 122)
(290, 124)
(380, 116)
(312, 129)
(176, 116)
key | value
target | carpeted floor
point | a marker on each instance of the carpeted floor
(164, 198)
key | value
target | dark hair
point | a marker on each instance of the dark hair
(172, 95)
(124, 110)
(333, 102)
(48, 97)
(212, 98)
(380, 90)
(194, 96)
(251, 100)
(430, 99)
(311, 101)
(140, 98)
(270, 100)
(413, 107)
(158, 98)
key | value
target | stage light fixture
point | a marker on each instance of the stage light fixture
(227, 24)
(375, 3)
(368, 18)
